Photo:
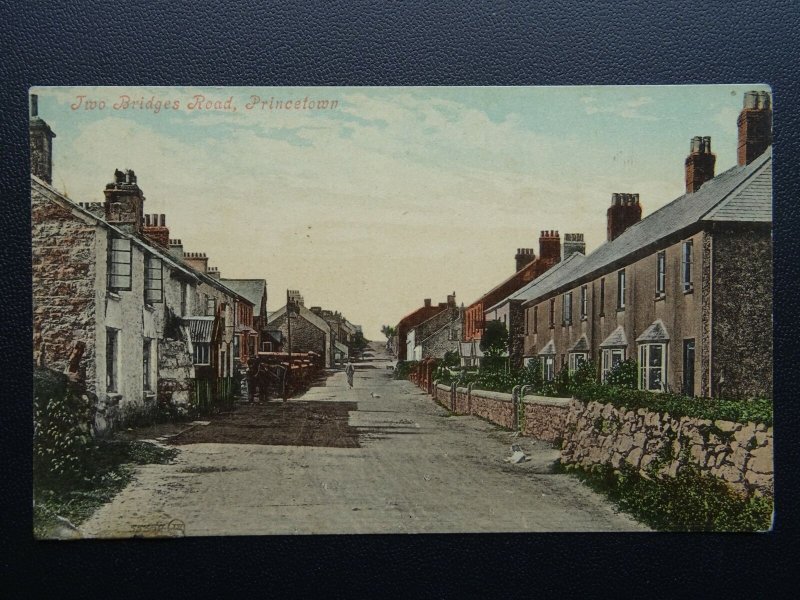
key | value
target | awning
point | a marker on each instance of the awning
(549, 349)
(582, 345)
(655, 333)
(200, 328)
(617, 339)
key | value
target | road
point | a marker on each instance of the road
(411, 467)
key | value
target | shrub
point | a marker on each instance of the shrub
(624, 375)
(63, 416)
(403, 368)
(691, 501)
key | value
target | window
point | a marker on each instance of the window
(147, 365)
(552, 312)
(584, 302)
(202, 353)
(251, 345)
(621, 289)
(211, 306)
(602, 295)
(566, 309)
(687, 265)
(112, 356)
(237, 346)
(653, 367)
(611, 358)
(576, 359)
(661, 274)
(535, 319)
(266, 346)
(549, 367)
(153, 280)
(688, 367)
(119, 264)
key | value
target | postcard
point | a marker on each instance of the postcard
(355, 310)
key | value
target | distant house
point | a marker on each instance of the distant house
(309, 332)
(435, 336)
(410, 321)
(251, 323)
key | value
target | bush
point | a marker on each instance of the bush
(63, 417)
(691, 501)
(403, 368)
(624, 374)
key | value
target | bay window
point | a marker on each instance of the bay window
(611, 358)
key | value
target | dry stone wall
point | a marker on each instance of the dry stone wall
(658, 444)
(544, 418)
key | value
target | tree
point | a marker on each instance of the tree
(494, 341)
(388, 331)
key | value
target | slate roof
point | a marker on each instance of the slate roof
(309, 316)
(549, 349)
(558, 273)
(582, 345)
(740, 194)
(342, 347)
(616, 339)
(251, 289)
(655, 333)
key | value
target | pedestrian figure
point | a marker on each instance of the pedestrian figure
(350, 371)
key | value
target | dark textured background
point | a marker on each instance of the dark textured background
(393, 43)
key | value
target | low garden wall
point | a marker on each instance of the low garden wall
(658, 444)
(655, 444)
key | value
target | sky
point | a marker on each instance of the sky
(392, 194)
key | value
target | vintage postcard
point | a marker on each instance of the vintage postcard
(401, 310)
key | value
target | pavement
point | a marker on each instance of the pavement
(416, 468)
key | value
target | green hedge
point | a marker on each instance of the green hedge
(620, 391)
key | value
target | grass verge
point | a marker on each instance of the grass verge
(691, 501)
(112, 468)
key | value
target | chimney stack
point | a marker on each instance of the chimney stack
(155, 229)
(317, 310)
(523, 257)
(451, 299)
(699, 164)
(197, 260)
(176, 249)
(214, 273)
(41, 143)
(427, 301)
(573, 242)
(550, 247)
(125, 202)
(755, 127)
(624, 211)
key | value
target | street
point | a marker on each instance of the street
(379, 458)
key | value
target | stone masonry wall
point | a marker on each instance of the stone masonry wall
(493, 406)
(740, 454)
(544, 418)
(175, 374)
(63, 280)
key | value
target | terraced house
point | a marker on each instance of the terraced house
(686, 291)
(114, 307)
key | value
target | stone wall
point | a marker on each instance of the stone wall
(544, 418)
(175, 374)
(64, 304)
(739, 454)
(493, 406)
(742, 330)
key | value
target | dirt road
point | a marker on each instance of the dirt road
(397, 463)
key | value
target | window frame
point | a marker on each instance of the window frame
(201, 350)
(153, 285)
(621, 283)
(645, 369)
(548, 366)
(607, 360)
(661, 274)
(552, 312)
(687, 266)
(119, 278)
(566, 308)
(602, 296)
(584, 302)
(574, 365)
(147, 365)
(112, 360)
(688, 368)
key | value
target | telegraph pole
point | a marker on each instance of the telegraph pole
(289, 327)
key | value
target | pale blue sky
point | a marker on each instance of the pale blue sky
(397, 195)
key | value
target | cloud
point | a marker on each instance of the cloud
(628, 109)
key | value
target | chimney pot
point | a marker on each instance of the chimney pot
(427, 301)
(34, 105)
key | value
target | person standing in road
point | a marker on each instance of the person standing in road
(350, 371)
